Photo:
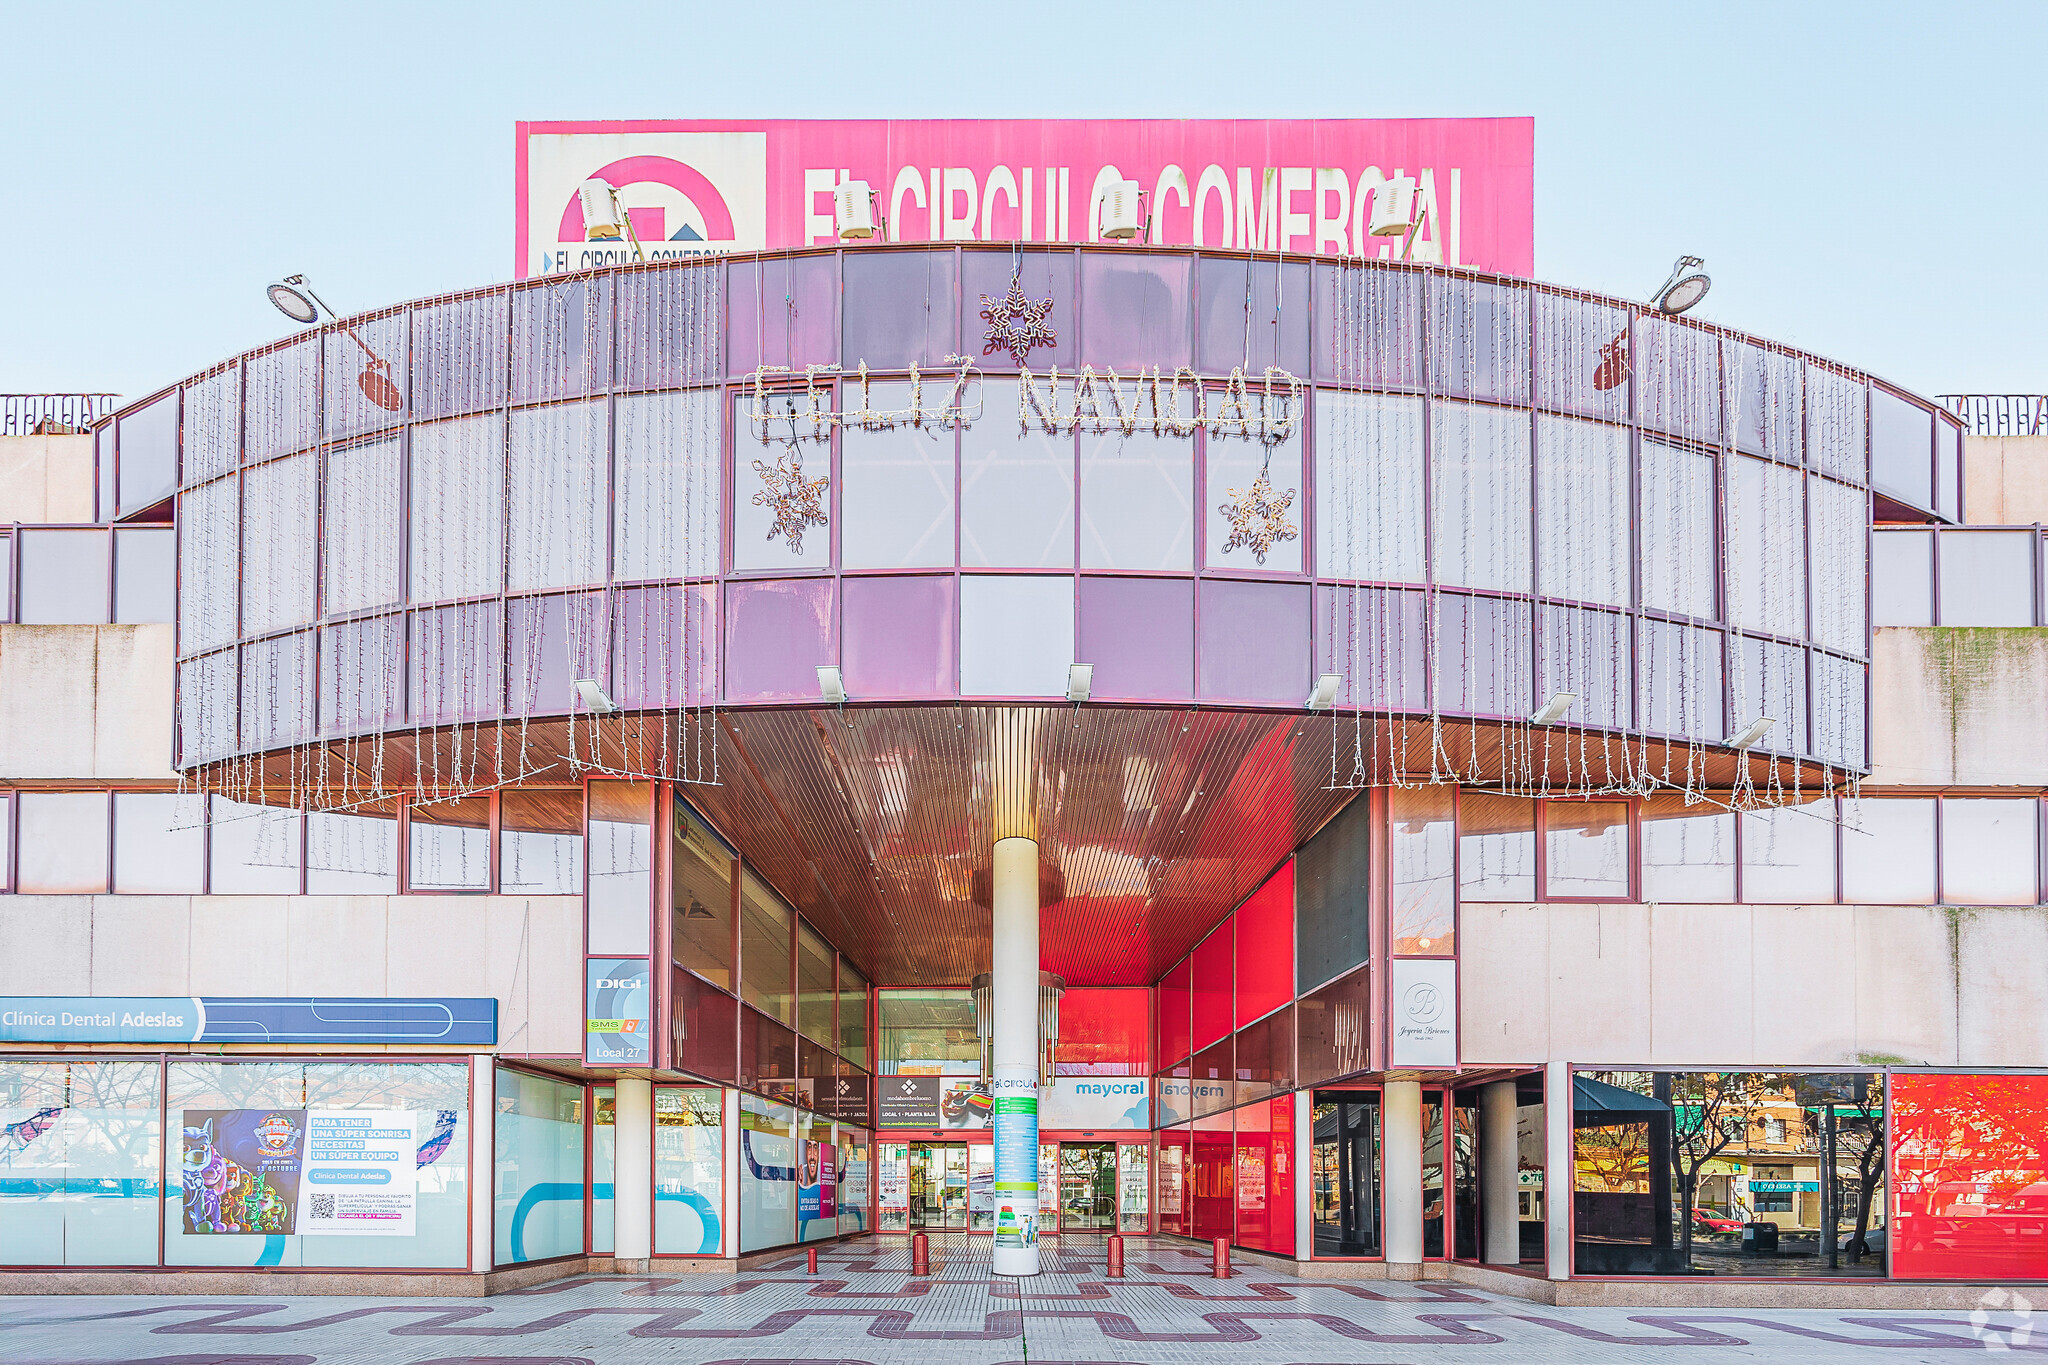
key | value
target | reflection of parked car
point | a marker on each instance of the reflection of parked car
(1874, 1239)
(1704, 1220)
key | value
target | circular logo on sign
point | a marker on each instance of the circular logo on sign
(1423, 1002)
(274, 1135)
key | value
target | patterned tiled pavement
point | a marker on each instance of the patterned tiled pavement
(863, 1306)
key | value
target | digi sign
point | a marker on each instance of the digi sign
(1303, 187)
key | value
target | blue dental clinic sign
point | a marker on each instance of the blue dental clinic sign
(454, 1022)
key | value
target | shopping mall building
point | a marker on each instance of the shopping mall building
(1417, 773)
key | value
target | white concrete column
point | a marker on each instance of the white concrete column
(1499, 1162)
(730, 1162)
(632, 1168)
(1304, 1183)
(1013, 1048)
(483, 1164)
(1557, 1168)
(1401, 1147)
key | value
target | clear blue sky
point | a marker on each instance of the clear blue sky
(1865, 180)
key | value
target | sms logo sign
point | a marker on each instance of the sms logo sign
(686, 194)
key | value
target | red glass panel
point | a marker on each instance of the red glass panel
(1103, 1032)
(704, 1023)
(1970, 1163)
(1265, 947)
(1174, 997)
(1174, 1171)
(1210, 1184)
(1280, 1204)
(1212, 960)
(1254, 1182)
(767, 1056)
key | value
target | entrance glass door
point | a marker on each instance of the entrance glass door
(1087, 1187)
(938, 1187)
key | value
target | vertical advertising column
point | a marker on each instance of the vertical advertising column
(1014, 1046)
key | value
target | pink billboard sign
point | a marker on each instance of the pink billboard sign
(1300, 186)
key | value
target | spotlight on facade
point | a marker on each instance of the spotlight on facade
(1682, 291)
(296, 300)
(1748, 738)
(1393, 207)
(1325, 694)
(1552, 711)
(594, 699)
(1121, 215)
(1080, 677)
(831, 685)
(853, 210)
(602, 221)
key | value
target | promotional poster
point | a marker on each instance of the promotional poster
(313, 1172)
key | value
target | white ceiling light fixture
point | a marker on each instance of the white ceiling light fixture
(1681, 291)
(831, 685)
(1325, 694)
(594, 699)
(1552, 711)
(1080, 679)
(1748, 738)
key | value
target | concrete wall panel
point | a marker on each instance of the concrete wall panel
(2002, 960)
(1959, 707)
(335, 945)
(46, 478)
(48, 686)
(1905, 984)
(1702, 983)
(2005, 480)
(142, 944)
(134, 679)
(237, 941)
(1504, 1001)
(45, 945)
(1600, 953)
(1804, 1001)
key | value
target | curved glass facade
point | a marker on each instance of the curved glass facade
(1462, 494)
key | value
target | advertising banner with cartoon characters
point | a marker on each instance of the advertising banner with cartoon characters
(312, 1172)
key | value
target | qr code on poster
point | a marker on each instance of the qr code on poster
(320, 1206)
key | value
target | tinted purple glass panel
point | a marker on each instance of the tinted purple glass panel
(64, 577)
(1134, 310)
(458, 664)
(767, 1053)
(1585, 653)
(149, 455)
(1254, 642)
(361, 682)
(1582, 356)
(103, 477)
(1484, 647)
(1267, 326)
(1265, 1056)
(1139, 633)
(1769, 679)
(1902, 578)
(1374, 639)
(1678, 681)
(665, 646)
(458, 356)
(1368, 330)
(1478, 339)
(277, 691)
(1901, 449)
(899, 308)
(282, 402)
(1040, 275)
(777, 633)
(364, 385)
(550, 642)
(898, 637)
(791, 320)
(1762, 399)
(561, 338)
(1334, 1028)
(145, 575)
(1837, 424)
(1678, 378)
(670, 326)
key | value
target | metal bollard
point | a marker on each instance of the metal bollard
(920, 1254)
(1116, 1258)
(811, 1261)
(1221, 1268)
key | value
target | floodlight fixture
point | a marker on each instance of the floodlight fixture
(831, 685)
(604, 218)
(1681, 291)
(853, 210)
(1080, 679)
(1552, 711)
(1325, 694)
(594, 699)
(1748, 738)
(1122, 213)
(295, 298)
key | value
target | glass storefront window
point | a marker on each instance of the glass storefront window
(927, 1032)
(604, 1151)
(621, 855)
(1423, 848)
(159, 842)
(354, 854)
(855, 1152)
(256, 850)
(892, 1187)
(83, 1146)
(539, 1190)
(688, 1170)
(768, 1170)
(1788, 854)
(1133, 1188)
(701, 885)
(765, 929)
(1344, 1173)
(237, 1205)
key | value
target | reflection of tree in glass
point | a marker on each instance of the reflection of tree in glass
(1709, 1112)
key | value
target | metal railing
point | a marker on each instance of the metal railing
(1999, 414)
(52, 414)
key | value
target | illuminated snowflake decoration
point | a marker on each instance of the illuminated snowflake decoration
(1016, 324)
(1258, 519)
(796, 501)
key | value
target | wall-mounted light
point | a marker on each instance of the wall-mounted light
(1122, 216)
(296, 300)
(604, 219)
(1682, 291)
(1325, 694)
(594, 699)
(1080, 678)
(294, 297)
(1552, 711)
(1749, 737)
(830, 685)
(853, 210)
